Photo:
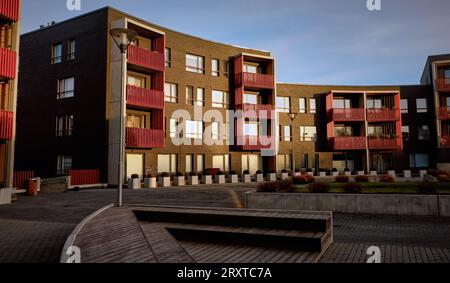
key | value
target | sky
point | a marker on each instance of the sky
(313, 41)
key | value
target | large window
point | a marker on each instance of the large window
(251, 128)
(215, 130)
(195, 64)
(341, 103)
(194, 129)
(308, 133)
(64, 125)
(200, 101)
(424, 132)
(374, 103)
(71, 50)
(421, 105)
(168, 57)
(66, 88)
(284, 161)
(343, 131)
(302, 105)
(137, 81)
(221, 162)
(404, 106)
(173, 128)
(375, 131)
(219, 99)
(136, 121)
(305, 161)
(419, 160)
(283, 104)
(189, 163)
(287, 135)
(200, 162)
(215, 64)
(250, 98)
(312, 106)
(64, 164)
(171, 92)
(405, 132)
(248, 68)
(190, 95)
(56, 53)
(167, 163)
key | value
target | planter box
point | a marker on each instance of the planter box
(164, 182)
(219, 179)
(134, 184)
(347, 173)
(246, 179)
(310, 173)
(5, 196)
(297, 174)
(272, 177)
(407, 173)
(179, 181)
(361, 173)
(284, 176)
(233, 179)
(207, 179)
(334, 174)
(193, 180)
(392, 173)
(423, 173)
(322, 174)
(150, 183)
(259, 178)
(373, 173)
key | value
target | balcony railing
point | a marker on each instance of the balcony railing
(443, 84)
(7, 64)
(347, 115)
(145, 98)
(255, 142)
(145, 138)
(145, 58)
(255, 80)
(256, 110)
(444, 113)
(349, 143)
(80, 177)
(380, 115)
(445, 141)
(6, 125)
(9, 10)
(385, 143)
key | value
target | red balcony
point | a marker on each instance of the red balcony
(347, 115)
(9, 10)
(257, 110)
(255, 142)
(8, 61)
(145, 98)
(81, 177)
(443, 84)
(6, 125)
(145, 58)
(381, 115)
(445, 141)
(444, 113)
(348, 143)
(385, 143)
(255, 80)
(145, 138)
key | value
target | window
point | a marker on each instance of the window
(171, 92)
(200, 163)
(305, 161)
(189, 163)
(226, 130)
(226, 69)
(167, 163)
(168, 57)
(190, 95)
(215, 130)
(419, 160)
(219, 99)
(200, 101)
(215, 67)
(135, 121)
(195, 64)
(251, 128)
(64, 125)
(404, 106)
(375, 131)
(308, 133)
(250, 98)
(221, 162)
(57, 53)
(286, 130)
(137, 81)
(283, 104)
(173, 128)
(194, 129)
(71, 50)
(424, 133)
(316, 162)
(405, 132)
(312, 105)
(343, 131)
(283, 161)
(66, 88)
(250, 68)
(341, 103)
(302, 105)
(447, 74)
(422, 105)
(64, 164)
(373, 103)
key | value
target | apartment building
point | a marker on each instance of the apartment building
(176, 85)
(9, 47)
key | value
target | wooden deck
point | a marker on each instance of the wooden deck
(190, 235)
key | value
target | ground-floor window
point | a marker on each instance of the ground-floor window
(284, 161)
(251, 162)
(343, 162)
(189, 163)
(64, 164)
(200, 163)
(305, 161)
(221, 162)
(419, 160)
(167, 163)
(316, 162)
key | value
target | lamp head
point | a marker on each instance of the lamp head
(123, 37)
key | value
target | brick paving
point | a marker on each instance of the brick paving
(35, 229)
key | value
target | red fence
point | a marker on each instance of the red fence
(349, 143)
(255, 142)
(8, 61)
(145, 138)
(443, 84)
(379, 115)
(6, 125)
(385, 143)
(9, 9)
(347, 115)
(444, 113)
(147, 98)
(80, 177)
(255, 80)
(445, 141)
(21, 178)
(146, 58)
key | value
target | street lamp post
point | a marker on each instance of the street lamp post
(292, 116)
(123, 38)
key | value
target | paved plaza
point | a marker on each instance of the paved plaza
(35, 229)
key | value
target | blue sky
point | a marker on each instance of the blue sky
(314, 41)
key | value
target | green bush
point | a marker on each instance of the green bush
(352, 188)
(427, 188)
(319, 188)
(277, 186)
(362, 179)
(387, 179)
(341, 179)
(299, 180)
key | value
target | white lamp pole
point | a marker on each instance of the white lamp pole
(292, 116)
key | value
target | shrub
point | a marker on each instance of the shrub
(443, 178)
(427, 188)
(150, 176)
(284, 171)
(387, 179)
(352, 188)
(319, 188)
(341, 179)
(299, 180)
(309, 170)
(259, 172)
(310, 179)
(233, 172)
(165, 175)
(334, 170)
(220, 173)
(246, 172)
(179, 174)
(267, 187)
(346, 170)
(297, 170)
(436, 172)
(362, 179)
(284, 186)
(192, 174)
(134, 176)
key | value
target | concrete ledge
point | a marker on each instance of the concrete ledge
(391, 204)
(88, 186)
(5, 196)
